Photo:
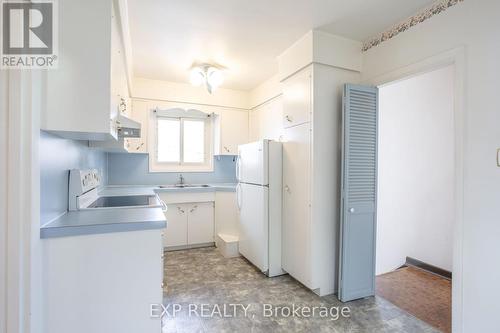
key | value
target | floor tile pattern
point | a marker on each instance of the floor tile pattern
(203, 276)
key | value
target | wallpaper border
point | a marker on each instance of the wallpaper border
(420, 17)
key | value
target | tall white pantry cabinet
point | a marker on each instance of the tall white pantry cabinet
(312, 104)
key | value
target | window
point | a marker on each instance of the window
(182, 144)
(193, 141)
(169, 140)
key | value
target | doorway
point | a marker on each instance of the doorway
(416, 195)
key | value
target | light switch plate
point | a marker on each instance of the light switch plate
(498, 157)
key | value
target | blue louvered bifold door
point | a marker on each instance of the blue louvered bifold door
(359, 192)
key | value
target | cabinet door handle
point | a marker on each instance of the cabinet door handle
(180, 210)
(238, 196)
(288, 118)
(193, 209)
(139, 146)
(287, 189)
(238, 162)
(163, 205)
(123, 105)
(226, 149)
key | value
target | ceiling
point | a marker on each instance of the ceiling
(244, 36)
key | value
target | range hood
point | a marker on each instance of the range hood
(128, 128)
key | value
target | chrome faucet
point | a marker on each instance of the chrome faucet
(181, 180)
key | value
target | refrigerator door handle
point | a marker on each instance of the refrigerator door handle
(238, 166)
(238, 196)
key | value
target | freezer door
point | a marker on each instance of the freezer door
(253, 205)
(252, 164)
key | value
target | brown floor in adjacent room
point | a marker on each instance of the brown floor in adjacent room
(420, 293)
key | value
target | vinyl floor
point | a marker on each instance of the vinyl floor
(203, 278)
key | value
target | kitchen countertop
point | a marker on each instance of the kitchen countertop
(98, 221)
(112, 190)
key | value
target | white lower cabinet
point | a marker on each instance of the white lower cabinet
(99, 283)
(200, 224)
(176, 232)
(189, 224)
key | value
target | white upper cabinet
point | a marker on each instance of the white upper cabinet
(297, 98)
(231, 130)
(84, 93)
(119, 85)
(140, 112)
(266, 121)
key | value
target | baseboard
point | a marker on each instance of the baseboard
(428, 267)
(187, 247)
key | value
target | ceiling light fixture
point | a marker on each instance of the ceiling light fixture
(206, 74)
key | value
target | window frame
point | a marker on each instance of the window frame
(181, 166)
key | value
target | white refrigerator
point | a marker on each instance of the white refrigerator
(259, 193)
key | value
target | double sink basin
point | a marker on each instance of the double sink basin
(184, 186)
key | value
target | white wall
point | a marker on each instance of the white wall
(415, 210)
(474, 26)
(37, 292)
(21, 293)
(3, 198)
(186, 93)
(265, 91)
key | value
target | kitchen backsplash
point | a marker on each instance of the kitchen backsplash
(57, 157)
(133, 169)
